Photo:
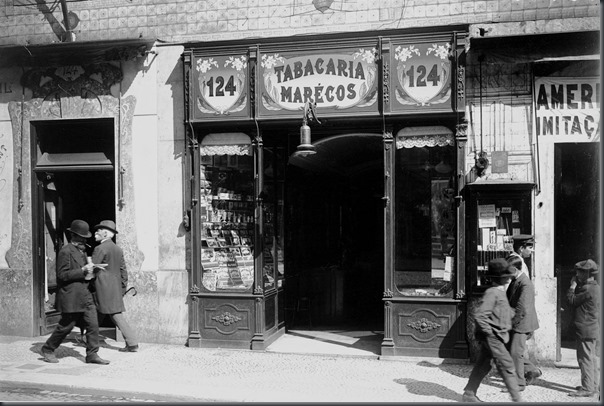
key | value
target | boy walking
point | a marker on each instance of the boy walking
(493, 323)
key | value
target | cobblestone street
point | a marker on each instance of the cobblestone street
(9, 393)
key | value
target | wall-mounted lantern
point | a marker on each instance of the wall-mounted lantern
(306, 148)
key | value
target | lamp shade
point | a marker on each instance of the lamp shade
(305, 147)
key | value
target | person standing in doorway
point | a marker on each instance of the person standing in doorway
(74, 299)
(112, 281)
(493, 319)
(584, 296)
(523, 248)
(521, 296)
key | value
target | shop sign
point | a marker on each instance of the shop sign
(423, 76)
(221, 85)
(337, 81)
(568, 109)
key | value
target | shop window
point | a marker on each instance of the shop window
(425, 228)
(227, 213)
(496, 212)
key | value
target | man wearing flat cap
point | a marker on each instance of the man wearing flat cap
(584, 296)
(111, 283)
(523, 248)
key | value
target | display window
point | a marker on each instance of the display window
(227, 214)
(425, 229)
(496, 213)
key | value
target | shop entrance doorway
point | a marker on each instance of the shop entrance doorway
(73, 179)
(577, 221)
(335, 242)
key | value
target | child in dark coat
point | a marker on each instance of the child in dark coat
(493, 323)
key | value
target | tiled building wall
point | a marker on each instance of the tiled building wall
(24, 22)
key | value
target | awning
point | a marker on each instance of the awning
(424, 136)
(87, 161)
(72, 53)
(539, 47)
(226, 144)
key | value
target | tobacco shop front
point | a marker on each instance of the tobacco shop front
(324, 190)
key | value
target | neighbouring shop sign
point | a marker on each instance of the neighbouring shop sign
(341, 82)
(221, 86)
(421, 76)
(568, 109)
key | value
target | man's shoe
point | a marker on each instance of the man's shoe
(470, 397)
(95, 359)
(129, 348)
(581, 393)
(49, 356)
(531, 376)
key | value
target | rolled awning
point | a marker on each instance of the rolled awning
(425, 136)
(226, 144)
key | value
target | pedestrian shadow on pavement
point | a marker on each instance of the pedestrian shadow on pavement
(460, 370)
(429, 389)
(498, 383)
(61, 352)
(78, 342)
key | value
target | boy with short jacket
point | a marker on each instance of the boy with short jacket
(493, 323)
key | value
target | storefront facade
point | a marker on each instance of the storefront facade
(246, 106)
(435, 140)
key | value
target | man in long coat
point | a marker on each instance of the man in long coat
(74, 299)
(584, 295)
(521, 295)
(112, 281)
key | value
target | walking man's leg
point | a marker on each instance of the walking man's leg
(505, 366)
(128, 332)
(64, 327)
(517, 352)
(480, 370)
(92, 336)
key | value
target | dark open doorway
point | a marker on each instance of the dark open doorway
(335, 241)
(73, 178)
(577, 222)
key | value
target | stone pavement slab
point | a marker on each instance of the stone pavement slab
(194, 374)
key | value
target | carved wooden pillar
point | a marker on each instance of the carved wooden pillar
(388, 343)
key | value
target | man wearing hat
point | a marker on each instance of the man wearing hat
(74, 299)
(112, 281)
(493, 319)
(584, 296)
(523, 248)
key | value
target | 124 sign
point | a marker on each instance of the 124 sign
(423, 73)
(221, 83)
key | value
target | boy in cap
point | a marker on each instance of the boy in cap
(111, 282)
(584, 296)
(74, 299)
(493, 322)
(523, 248)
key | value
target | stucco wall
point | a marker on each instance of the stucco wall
(159, 310)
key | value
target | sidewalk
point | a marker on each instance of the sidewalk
(179, 373)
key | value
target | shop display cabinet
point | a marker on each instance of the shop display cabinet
(496, 212)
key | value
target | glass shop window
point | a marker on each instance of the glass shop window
(227, 214)
(425, 228)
